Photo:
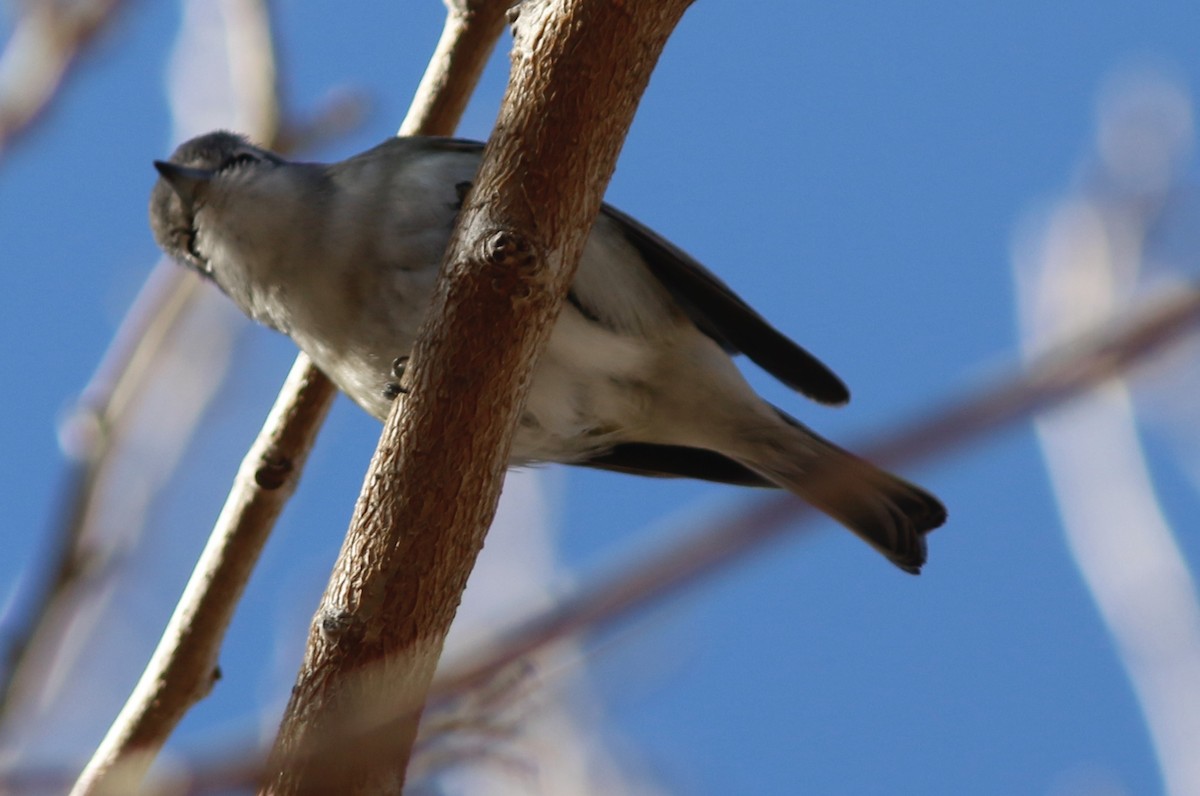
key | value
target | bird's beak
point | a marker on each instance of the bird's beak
(186, 182)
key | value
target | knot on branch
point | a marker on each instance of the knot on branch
(509, 250)
(339, 626)
(512, 14)
(210, 682)
(273, 472)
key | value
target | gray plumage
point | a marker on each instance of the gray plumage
(637, 375)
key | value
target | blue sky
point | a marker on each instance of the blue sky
(856, 171)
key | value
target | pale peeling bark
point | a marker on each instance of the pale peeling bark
(579, 69)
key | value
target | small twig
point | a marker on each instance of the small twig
(468, 38)
(87, 433)
(44, 45)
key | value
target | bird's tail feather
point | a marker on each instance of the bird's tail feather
(887, 512)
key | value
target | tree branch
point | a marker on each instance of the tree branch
(468, 38)
(579, 69)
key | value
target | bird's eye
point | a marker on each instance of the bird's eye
(239, 159)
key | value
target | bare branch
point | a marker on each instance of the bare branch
(468, 38)
(579, 68)
(1079, 266)
(254, 76)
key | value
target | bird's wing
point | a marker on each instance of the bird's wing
(708, 302)
(673, 461)
(436, 142)
(731, 322)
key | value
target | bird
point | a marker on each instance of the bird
(638, 374)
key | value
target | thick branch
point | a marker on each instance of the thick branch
(579, 68)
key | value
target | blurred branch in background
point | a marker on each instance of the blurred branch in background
(87, 435)
(171, 350)
(46, 39)
(1079, 265)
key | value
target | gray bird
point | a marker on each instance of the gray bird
(637, 376)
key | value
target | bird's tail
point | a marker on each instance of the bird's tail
(887, 512)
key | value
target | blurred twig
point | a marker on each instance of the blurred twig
(87, 434)
(107, 406)
(1082, 266)
(254, 74)
(44, 44)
